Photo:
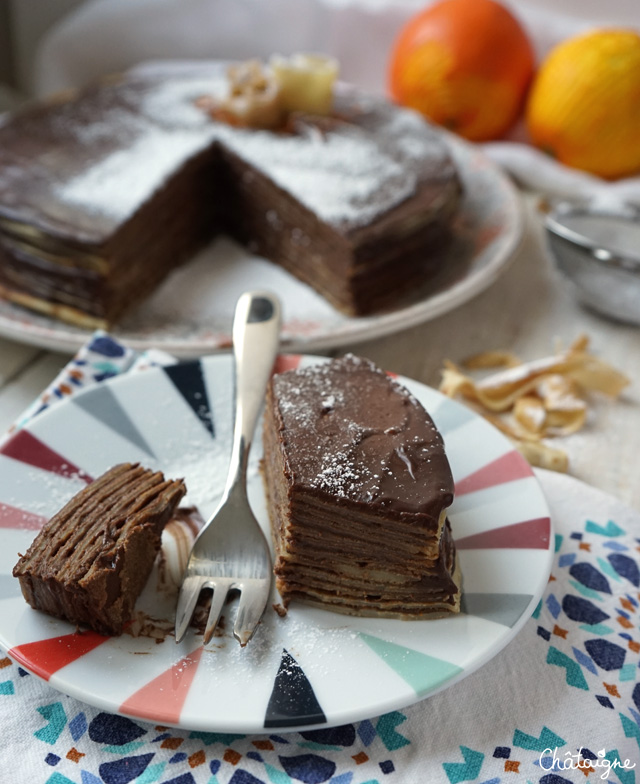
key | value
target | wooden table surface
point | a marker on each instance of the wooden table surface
(528, 310)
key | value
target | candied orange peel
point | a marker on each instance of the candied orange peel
(253, 98)
(264, 96)
(542, 398)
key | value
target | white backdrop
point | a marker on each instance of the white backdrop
(102, 36)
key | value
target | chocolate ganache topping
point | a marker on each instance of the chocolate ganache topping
(367, 440)
(357, 485)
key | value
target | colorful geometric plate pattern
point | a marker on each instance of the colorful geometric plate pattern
(311, 669)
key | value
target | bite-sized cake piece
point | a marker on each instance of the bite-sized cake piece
(358, 484)
(103, 192)
(90, 562)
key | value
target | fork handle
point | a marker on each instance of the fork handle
(256, 331)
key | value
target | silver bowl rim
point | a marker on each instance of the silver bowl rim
(600, 253)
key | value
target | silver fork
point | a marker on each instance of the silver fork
(231, 552)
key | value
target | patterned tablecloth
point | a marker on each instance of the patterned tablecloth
(560, 704)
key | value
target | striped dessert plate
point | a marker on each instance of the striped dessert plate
(309, 669)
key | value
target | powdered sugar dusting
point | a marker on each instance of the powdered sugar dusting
(204, 472)
(316, 393)
(346, 174)
(338, 473)
(355, 433)
(173, 102)
(119, 184)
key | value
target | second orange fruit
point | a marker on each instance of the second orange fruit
(465, 64)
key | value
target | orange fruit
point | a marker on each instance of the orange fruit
(584, 106)
(465, 64)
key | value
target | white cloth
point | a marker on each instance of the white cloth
(103, 36)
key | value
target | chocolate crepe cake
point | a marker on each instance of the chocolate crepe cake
(90, 562)
(358, 485)
(105, 191)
